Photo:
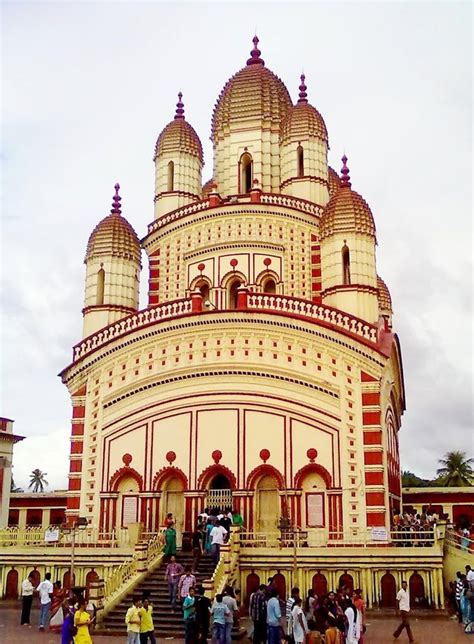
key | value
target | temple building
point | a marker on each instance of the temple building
(264, 373)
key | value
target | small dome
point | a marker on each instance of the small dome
(383, 295)
(114, 236)
(334, 181)
(179, 136)
(254, 92)
(346, 211)
(303, 120)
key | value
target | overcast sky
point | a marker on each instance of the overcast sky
(86, 90)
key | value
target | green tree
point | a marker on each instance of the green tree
(412, 480)
(37, 480)
(456, 470)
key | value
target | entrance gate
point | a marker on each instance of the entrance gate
(221, 499)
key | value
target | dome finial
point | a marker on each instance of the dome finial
(179, 107)
(345, 178)
(116, 210)
(303, 96)
(255, 53)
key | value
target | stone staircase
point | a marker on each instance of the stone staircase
(167, 623)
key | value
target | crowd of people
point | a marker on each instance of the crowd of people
(71, 617)
(461, 599)
(410, 527)
(339, 616)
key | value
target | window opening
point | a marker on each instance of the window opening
(346, 265)
(300, 161)
(170, 176)
(100, 286)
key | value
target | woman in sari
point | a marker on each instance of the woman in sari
(67, 629)
(56, 604)
(170, 541)
(82, 619)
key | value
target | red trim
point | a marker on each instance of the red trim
(312, 468)
(122, 473)
(366, 377)
(167, 473)
(264, 470)
(374, 478)
(373, 438)
(373, 458)
(375, 519)
(210, 472)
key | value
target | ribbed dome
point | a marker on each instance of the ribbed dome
(179, 136)
(346, 211)
(303, 119)
(334, 181)
(383, 295)
(253, 92)
(114, 236)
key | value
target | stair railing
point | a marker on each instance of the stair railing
(226, 571)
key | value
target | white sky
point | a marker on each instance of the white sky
(86, 89)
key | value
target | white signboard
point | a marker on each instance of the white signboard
(130, 510)
(51, 535)
(315, 510)
(379, 534)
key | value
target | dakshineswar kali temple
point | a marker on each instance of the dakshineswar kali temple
(265, 373)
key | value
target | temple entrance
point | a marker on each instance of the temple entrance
(219, 494)
(173, 501)
(268, 504)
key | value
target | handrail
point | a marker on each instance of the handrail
(459, 541)
(228, 564)
(34, 537)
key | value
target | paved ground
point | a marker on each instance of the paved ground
(425, 631)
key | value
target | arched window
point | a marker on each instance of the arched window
(100, 286)
(170, 176)
(232, 293)
(300, 161)
(246, 172)
(346, 265)
(269, 286)
(204, 288)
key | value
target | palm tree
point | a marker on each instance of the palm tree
(37, 480)
(456, 470)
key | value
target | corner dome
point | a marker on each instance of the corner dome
(114, 236)
(346, 211)
(334, 181)
(383, 295)
(179, 136)
(303, 119)
(254, 92)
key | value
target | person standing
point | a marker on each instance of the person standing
(197, 540)
(218, 536)
(202, 606)
(132, 621)
(146, 623)
(232, 607)
(45, 590)
(67, 627)
(219, 612)
(258, 614)
(186, 582)
(189, 615)
(82, 620)
(299, 626)
(170, 540)
(274, 625)
(56, 612)
(457, 593)
(173, 572)
(352, 623)
(403, 602)
(27, 589)
(290, 602)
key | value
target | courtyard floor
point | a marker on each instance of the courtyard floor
(426, 630)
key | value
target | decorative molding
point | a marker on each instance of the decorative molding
(312, 468)
(264, 469)
(213, 470)
(122, 473)
(169, 471)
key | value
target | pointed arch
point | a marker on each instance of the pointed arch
(312, 468)
(167, 473)
(210, 472)
(122, 473)
(264, 470)
(245, 173)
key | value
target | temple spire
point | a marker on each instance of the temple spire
(116, 209)
(345, 178)
(179, 108)
(303, 96)
(255, 53)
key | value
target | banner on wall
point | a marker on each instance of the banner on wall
(379, 534)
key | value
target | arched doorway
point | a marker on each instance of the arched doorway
(269, 286)
(128, 489)
(319, 584)
(11, 589)
(219, 494)
(417, 591)
(280, 584)
(173, 502)
(388, 589)
(346, 580)
(66, 580)
(36, 577)
(252, 584)
(268, 504)
(90, 577)
(232, 292)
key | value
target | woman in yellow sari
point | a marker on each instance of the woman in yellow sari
(82, 620)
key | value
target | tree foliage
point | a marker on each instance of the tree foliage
(38, 480)
(456, 470)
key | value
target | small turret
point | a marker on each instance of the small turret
(113, 267)
(178, 164)
(347, 238)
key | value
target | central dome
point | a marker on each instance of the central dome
(254, 92)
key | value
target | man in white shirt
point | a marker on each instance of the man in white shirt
(27, 590)
(403, 603)
(218, 536)
(469, 573)
(45, 590)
